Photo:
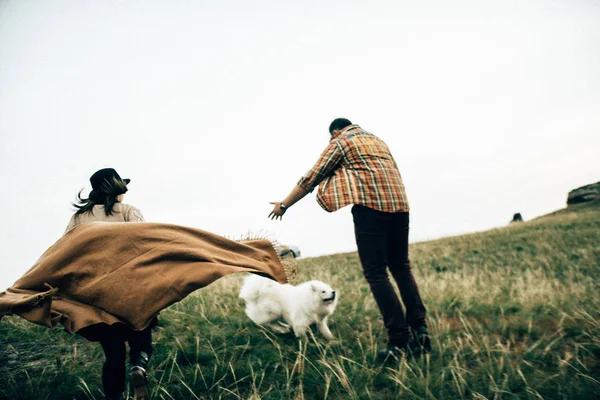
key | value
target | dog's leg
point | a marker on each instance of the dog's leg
(284, 325)
(258, 316)
(324, 329)
(279, 328)
(300, 324)
(300, 330)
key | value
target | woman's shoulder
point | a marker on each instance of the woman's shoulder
(131, 213)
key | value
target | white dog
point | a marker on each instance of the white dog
(281, 307)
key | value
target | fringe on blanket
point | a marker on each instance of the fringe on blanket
(283, 252)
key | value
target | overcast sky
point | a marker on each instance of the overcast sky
(215, 108)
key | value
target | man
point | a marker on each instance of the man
(357, 168)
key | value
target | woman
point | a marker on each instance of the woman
(109, 281)
(104, 203)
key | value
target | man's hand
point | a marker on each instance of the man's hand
(277, 212)
(296, 194)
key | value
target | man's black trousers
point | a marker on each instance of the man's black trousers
(382, 240)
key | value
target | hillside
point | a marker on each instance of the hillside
(515, 313)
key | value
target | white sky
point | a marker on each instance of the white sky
(215, 108)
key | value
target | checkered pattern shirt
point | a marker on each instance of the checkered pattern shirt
(357, 168)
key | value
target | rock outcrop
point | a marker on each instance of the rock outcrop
(584, 194)
(517, 218)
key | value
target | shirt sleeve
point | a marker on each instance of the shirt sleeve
(135, 215)
(327, 163)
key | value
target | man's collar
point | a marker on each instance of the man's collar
(346, 129)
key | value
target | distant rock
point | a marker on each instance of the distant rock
(584, 194)
(517, 218)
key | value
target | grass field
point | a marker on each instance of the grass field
(514, 313)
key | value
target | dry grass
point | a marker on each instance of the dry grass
(514, 313)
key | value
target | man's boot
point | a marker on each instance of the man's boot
(138, 377)
(421, 342)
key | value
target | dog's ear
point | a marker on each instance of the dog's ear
(313, 287)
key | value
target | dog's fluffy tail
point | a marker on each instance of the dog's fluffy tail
(254, 286)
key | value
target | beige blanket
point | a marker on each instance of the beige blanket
(128, 272)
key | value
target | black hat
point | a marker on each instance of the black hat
(106, 174)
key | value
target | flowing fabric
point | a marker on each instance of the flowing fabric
(111, 273)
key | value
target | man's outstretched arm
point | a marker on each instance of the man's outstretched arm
(328, 162)
(295, 195)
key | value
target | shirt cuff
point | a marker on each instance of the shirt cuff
(303, 183)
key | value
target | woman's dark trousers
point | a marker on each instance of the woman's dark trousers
(113, 343)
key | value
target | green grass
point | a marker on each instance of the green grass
(514, 313)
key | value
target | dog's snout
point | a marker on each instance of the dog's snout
(333, 293)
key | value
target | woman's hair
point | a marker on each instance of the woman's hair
(107, 195)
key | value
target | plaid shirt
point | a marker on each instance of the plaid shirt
(357, 168)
